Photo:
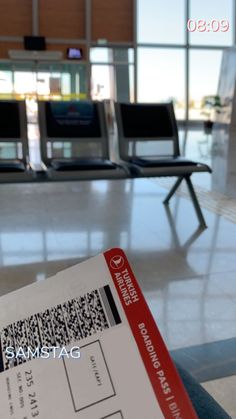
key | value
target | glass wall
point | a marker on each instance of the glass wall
(6, 85)
(204, 66)
(40, 81)
(176, 55)
(20, 80)
(216, 13)
(157, 82)
(161, 21)
(179, 61)
(112, 74)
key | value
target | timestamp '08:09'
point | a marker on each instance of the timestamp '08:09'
(213, 25)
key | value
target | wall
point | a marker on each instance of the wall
(63, 23)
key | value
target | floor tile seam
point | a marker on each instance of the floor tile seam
(189, 350)
(227, 377)
(199, 276)
(227, 294)
(214, 207)
(201, 192)
(208, 359)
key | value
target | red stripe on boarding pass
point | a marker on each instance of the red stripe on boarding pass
(167, 385)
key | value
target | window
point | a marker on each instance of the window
(6, 85)
(161, 21)
(204, 77)
(112, 73)
(165, 53)
(156, 79)
(112, 55)
(210, 10)
(102, 82)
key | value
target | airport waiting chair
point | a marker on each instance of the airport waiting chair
(149, 146)
(74, 141)
(14, 153)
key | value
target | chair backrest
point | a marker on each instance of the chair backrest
(147, 130)
(13, 130)
(72, 129)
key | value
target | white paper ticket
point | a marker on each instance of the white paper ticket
(84, 345)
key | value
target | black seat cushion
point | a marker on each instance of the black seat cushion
(11, 166)
(82, 164)
(170, 162)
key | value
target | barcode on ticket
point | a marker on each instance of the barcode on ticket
(61, 325)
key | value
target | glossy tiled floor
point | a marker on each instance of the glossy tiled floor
(188, 275)
(223, 390)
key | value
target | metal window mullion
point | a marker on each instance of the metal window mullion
(65, 41)
(11, 38)
(135, 45)
(112, 44)
(182, 46)
(35, 17)
(209, 47)
(88, 33)
(157, 45)
(112, 63)
(234, 22)
(187, 67)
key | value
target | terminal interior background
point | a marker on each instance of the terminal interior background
(133, 51)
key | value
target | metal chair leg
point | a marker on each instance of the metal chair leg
(173, 189)
(192, 195)
(195, 202)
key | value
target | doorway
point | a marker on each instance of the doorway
(41, 81)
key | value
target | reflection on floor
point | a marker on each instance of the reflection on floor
(209, 361)
(223, 390)
(213, 201)
(197, 145)
(51, 226)
(187, 275)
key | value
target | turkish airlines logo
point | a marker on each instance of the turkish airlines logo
(117, 262)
